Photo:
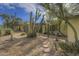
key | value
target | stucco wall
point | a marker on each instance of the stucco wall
(63, 28)
(75, 23)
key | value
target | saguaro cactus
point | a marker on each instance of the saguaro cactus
(30, 27)
(37, 16)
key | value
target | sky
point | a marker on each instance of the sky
(22, 10)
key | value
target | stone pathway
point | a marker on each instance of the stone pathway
(48, 47)
(45, 46)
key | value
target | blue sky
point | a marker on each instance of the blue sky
(22, 10)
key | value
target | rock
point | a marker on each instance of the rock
(47, 50)
(45, 42)
(45, 45)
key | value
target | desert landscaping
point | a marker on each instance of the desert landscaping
(43, 29)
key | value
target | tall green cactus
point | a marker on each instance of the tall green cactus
(37, 16)
(42, 21)
(32, 25)
(30, 29)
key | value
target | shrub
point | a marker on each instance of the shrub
(77, 46)
(67, 47)
(8, 31)
(31, 35)
(23, 34)
(72, 48)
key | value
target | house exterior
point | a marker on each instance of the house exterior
(19, 26)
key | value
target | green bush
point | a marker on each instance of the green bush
(77, 46)
(31, 35)
(72, 48)
(8, 31)
(23, 34)
(68, 47)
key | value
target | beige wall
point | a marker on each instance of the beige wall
(63, 28)
(75, 23)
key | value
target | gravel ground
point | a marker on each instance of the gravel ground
(22, 46)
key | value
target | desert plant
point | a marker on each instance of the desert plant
(72, 48)
(23, 34)
(7, 31)
(67, 47)
(31, 35)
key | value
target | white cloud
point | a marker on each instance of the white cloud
(27, 7)
(31, 7)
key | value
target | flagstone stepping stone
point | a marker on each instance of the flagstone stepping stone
(45, 45)
(46, 50)
(45, 42)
